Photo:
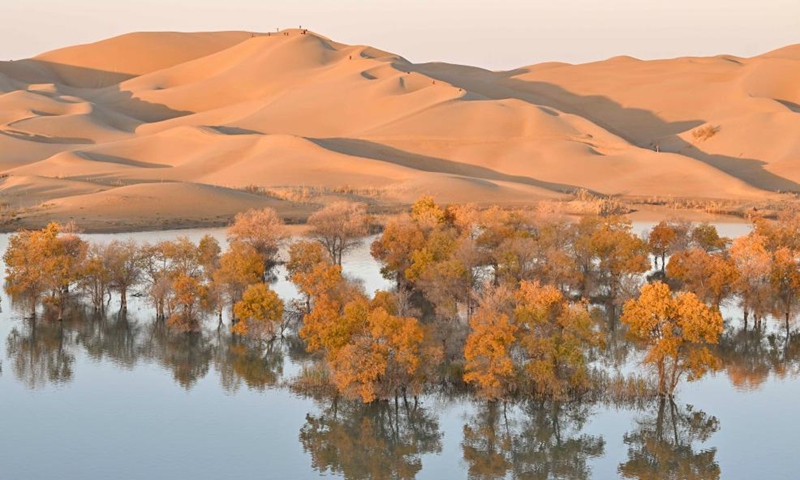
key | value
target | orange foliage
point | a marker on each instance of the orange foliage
(677, 330)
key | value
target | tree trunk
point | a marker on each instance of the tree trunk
(662, 379)
(787, 323)
(123, 298)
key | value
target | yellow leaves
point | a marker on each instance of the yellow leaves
(661, 238)
(381, 358)
(260, 312)
(677, 329)
(338, 227)
(401, 237)
(427, 213)
(263, 230)
(537, 303)
(43, 260)
(711, 277)
(312, 272)
(488, 354)
(373, 353)
(240, 266)
(534, 340)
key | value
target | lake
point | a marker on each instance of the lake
(122, 399)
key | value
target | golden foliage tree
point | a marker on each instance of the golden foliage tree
(753, 262)
(555, 336)
(533, 341)
(185, 303)
(382, 360)
(401, 237)
(239, 267)
(678, 330)
(488, 351)
(263, 230)
(42, 262)
(311, 271)
(660, 241)
(712, 277)
(784, 279)
(339, 227)
(123, 260)
(260, 313)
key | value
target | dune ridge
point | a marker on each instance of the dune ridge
(146, 128)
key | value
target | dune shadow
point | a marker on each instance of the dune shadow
(227, 130)
(97, 86)
(384, 153)
(650, 131)
(790, 105)
(39, 138)
(105, 158)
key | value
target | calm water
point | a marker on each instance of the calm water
(120, 399)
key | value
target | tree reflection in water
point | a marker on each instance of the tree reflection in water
(662, 446)
(751, 356)
(257, 365)
(530, 440)
(370, 441)
(539, 440)
(41, 353)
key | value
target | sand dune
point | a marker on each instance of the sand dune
(166, 126)
(167, 205)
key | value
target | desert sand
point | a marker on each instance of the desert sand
(178, 129)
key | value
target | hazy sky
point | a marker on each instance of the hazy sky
(490, 33)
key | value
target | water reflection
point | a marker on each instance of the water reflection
(372, 441)
(539, 440)
(751, 356)
(662, 446)
(528, 440)
(41, 354)
(256, 365)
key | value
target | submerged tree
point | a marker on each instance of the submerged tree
(661, 241)
(259, 313)
(339, 227)
(124, 263)
(43, 263)
(712, 277)
(535, 342)
(784, 280)
(240, 267)
(753, 262)
(677, 330)
(262, 230)
(401, 237)
(489, 351)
